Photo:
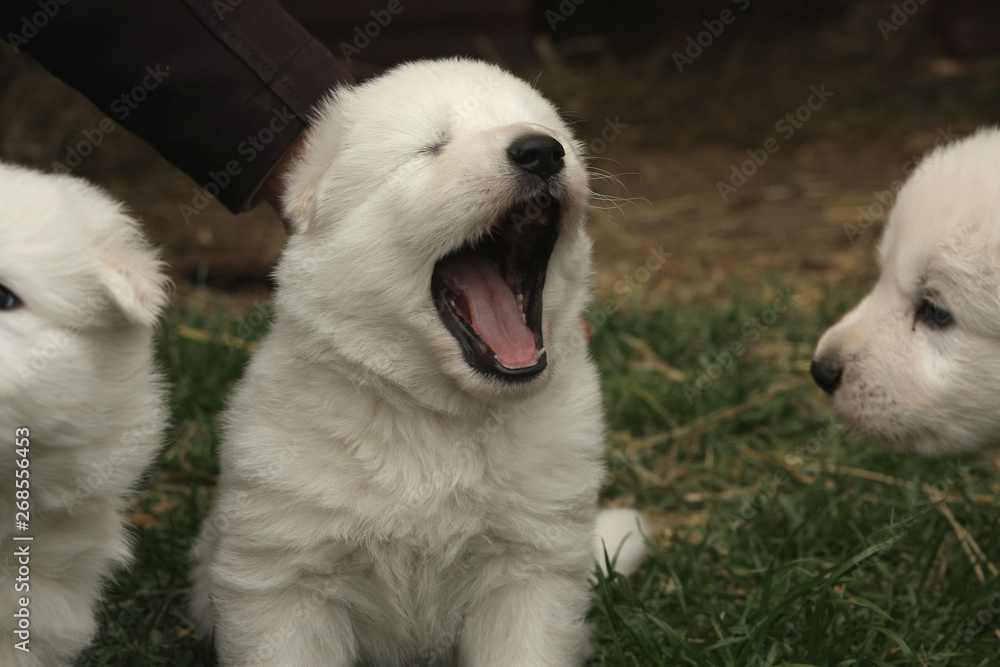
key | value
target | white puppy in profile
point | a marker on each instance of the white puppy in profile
(411, 466)
(916, 365)
(80, 291)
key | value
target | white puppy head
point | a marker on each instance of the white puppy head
(438, 240)
(76, 274)
(916, 365)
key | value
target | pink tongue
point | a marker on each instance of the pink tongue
(492, 309)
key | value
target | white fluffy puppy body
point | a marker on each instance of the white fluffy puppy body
(81, 290)
(916, 365)
(382, 502)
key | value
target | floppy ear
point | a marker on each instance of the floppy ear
(322, 143)
(134, 277)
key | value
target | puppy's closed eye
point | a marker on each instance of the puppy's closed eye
(433, 148)
(8, 300)
(933, 316)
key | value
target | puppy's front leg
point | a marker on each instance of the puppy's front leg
(288, 628)
(531, 622)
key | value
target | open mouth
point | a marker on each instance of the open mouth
(489, 293)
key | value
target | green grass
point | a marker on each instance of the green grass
(770, 545)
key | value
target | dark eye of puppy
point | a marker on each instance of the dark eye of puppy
(932, 315)
(8, 300)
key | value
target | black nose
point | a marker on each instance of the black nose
(826, 372)
(537, 154)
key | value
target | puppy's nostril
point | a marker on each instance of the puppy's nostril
(537, 154)
(827, 373)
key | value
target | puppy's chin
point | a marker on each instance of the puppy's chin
(908, 435)
(924, 444)
(490, 386)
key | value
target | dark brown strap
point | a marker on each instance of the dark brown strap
(221, 88)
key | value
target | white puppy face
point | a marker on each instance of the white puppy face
(438, 244)
(80, 290)
(75, 271)
(916, 365)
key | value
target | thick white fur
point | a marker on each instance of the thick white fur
(908, 385)
(76, 368)
(380, 502)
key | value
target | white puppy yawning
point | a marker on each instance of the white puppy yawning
(412, 463)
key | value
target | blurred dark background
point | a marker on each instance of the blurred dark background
(435, 28)
(693, 90)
